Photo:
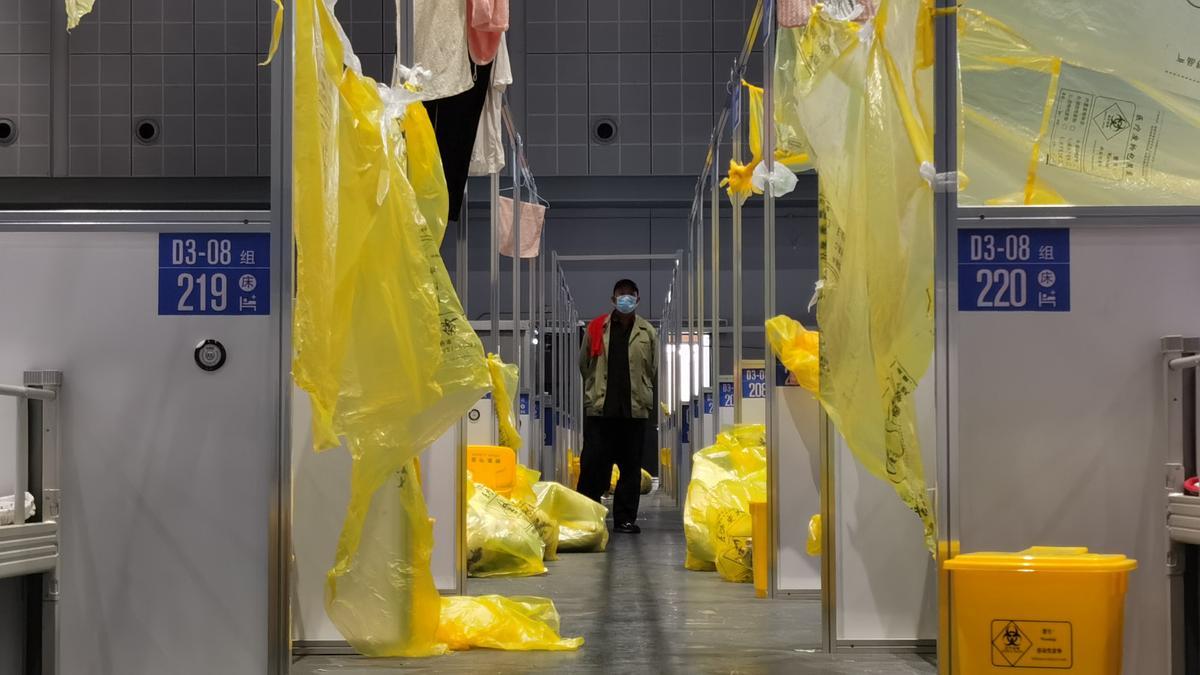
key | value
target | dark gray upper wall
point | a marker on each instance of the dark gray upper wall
(656, 69)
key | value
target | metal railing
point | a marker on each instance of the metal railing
(30, 545)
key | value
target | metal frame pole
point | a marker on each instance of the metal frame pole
(698, 345)
(555, 363)
(462, 274)
(716, 289)
(736, 281)
(768, 151)
(516, 275)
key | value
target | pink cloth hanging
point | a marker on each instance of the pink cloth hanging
(533, 218)
(487, 20)
(795, 13)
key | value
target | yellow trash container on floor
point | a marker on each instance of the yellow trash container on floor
(1045, 608)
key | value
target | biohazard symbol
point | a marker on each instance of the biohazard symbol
(1009, 645)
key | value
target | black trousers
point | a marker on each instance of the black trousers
(608, 441)
(455, 122)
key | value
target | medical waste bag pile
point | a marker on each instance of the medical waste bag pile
(858, 94)
(383, 349)
(726, 477)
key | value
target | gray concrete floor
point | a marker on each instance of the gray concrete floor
(639, 611)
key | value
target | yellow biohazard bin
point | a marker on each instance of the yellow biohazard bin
(1045, 608)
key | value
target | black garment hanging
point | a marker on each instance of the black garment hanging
(455, 123)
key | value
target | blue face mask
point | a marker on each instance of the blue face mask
(626, 303)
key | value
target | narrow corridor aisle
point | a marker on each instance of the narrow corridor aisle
(641, 612)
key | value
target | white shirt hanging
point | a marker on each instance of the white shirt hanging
(439, 45)
(487, 156)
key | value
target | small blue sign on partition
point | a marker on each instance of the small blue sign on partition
(708, 403)
(214, 274)
(1014, 270)
(686, 427)
(726, 394)
(783, 376)
(524, 404)
(754, 383)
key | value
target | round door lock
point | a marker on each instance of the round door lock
(210, 355)
(473, 415)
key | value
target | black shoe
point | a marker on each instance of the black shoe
(627, 528)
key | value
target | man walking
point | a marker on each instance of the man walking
(619, 364)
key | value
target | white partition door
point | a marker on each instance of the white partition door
(1059, 426)
(167, 470)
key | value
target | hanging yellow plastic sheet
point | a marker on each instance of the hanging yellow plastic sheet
(861, 96)
(504, 382)
(1089, 102)
(791, 157)
(76, 10)
(799, 349)
(381, 342)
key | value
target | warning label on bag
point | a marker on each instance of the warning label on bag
(1031, 644)
(1107, 137)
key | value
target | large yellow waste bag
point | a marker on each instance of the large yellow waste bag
(76, 10)
(494, 622)
(799, 349)
(581, 527)
(504, 382)
(791, 156)
(861, 95)
(1088, 102)
(726, 477)
(731, 527)
(523, 485)
(501, 539)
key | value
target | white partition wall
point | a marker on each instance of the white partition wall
(799, 437)
(1058, 431)
(167, 470)
(886, 584)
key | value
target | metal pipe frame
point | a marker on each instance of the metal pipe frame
(715, 352)
(768, 150)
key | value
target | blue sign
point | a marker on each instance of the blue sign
(686, 428)
(754, 383)
(1014, 270)
(549, 420)
(708, 403)
(524, 404)
(216, 274)
(783, 376)
(537, 410)
(726, 394)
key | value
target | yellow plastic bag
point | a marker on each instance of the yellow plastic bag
(501, 539)
(547, 528)
(504, 381)
(523, 485)
(813, 547)
(647, 481)
(1079, 102)
(862, 97)
(494, 622)
(581, 527)
(799, 349)
(76, 10)
(725, 477)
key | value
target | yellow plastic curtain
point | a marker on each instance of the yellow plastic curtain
(381, 343)
(861, 96)
(1089, 102)
(76, 10)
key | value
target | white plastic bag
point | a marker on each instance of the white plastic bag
(8, 504)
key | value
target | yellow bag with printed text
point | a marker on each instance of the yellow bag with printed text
(861, 95)
(726, 476)
(501, 538)
(799, 349)
(504, 382)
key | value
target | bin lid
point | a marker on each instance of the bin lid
(1044, 558)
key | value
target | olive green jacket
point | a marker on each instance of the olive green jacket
(643, 370)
